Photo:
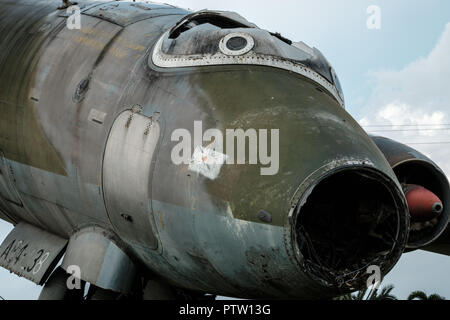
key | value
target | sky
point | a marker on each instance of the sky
(395, 77)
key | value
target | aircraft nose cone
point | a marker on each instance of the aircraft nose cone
(423, 204)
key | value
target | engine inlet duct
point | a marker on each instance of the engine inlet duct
(341, 231)
(426, 189)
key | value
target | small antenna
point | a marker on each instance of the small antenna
(66, 4)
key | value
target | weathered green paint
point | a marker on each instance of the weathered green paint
(21, 136)
(314, 131)
(209, 237)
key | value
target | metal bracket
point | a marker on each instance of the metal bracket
(100, 260)
(31, 252)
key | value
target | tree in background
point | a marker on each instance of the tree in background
(420, 295)
(374, 294)
(385, 294)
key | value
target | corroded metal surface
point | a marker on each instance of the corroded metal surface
(413, 167)
(125, 14)
(31, 252)
(100, 260)
(66, 128)
(126, 170)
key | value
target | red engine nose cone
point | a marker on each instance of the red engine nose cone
(423, 204)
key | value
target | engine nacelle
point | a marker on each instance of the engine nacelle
(413, 168)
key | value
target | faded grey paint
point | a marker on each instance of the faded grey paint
(31, 252)
(208, 234)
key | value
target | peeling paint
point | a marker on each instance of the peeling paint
(207, 162)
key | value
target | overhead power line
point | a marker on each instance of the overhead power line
(406, 130)
(406, 125)
(437, 142)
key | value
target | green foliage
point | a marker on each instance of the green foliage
(420, 295)
(385, 294)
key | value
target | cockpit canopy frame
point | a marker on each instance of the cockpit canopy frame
(206, 38)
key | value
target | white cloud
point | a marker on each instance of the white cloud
(419, 94)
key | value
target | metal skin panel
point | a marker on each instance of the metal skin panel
(25, 30)
(265, 41)
(31, 252)
(441, 245)
(11, 202)
(208, 233)
(8, 190)
(129, 155)
(83, 5)
(34, 143)
(276, 99)
(398, 155)
(211, 236)
(125, 14)
(52, 119)
(100, 260)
